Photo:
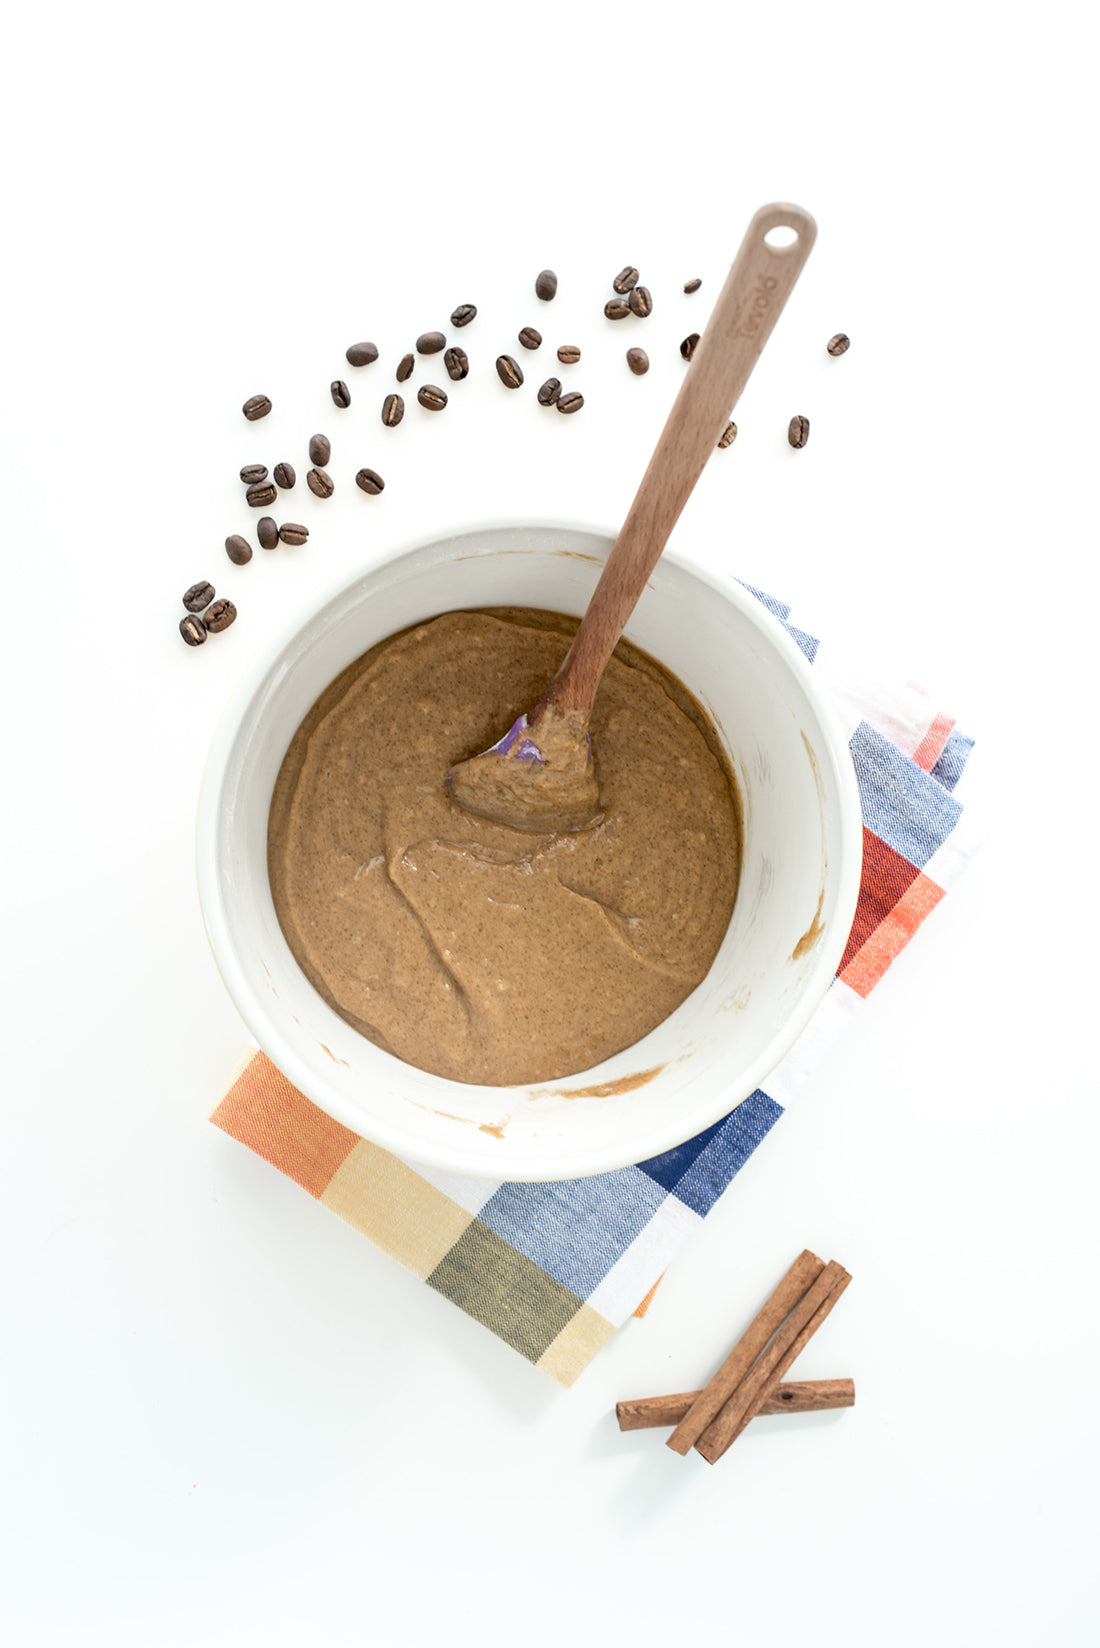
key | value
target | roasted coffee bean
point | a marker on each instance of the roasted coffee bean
(464, 314)
(625, 279)
(320, 450)
(319, 482)
(509, 372)
(529, 338)
(393, 410)
(198, 596)
(546, 285)
(457, 363)
(692, 285)
(430, 343)
(798, 430)
(253, 472)
(431, 398)
(689, 345)
(569, 354)
(239, 549)
(291, 533)
(192, 631)
(838, 344)
(638, 361)
(369, 480)
(641, 301)
(284, 476)
(572, 402)
(616, 309)
(549, 392)
(728, 436)
(341, 394)
(405, 367)
(262, 494)
(267, 532)
(361, 354)
(219, 616)
(257, 406)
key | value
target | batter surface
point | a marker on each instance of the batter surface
(479, 952)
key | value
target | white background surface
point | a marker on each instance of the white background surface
(226, 1418)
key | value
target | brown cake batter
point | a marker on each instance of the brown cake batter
(479, 952)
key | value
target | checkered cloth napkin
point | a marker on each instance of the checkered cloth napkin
(554, 1269)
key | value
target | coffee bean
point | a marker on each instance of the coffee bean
(192, 631)
(430, 343)
(530, 339)
(546, 284)
(625, 279)
(267, 532)
(641, 301)
(369, 480)
(361, 354)
(393, 410)
(692, 285)
(572, 402)
(405, 367)
(257, 406)
(464, 314)
(838, 344)
(457, 363)
(320, 450)
(341, 394)
(292, 533)
(616, 309)
(218, 617)
(689, 345)
(549, 392)
(253, 472)
(569, 354)
(260, 495)
(284, 476)
(638, 361)
(431, 398)
(508, 372)
(728, 436)
(198, 596)
(798, 431)
(239, 549)
(320, 483)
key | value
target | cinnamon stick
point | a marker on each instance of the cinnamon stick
(796, 1332)
(711, 1399)
(798, 1396)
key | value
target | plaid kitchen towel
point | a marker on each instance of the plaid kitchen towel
(553, 1269)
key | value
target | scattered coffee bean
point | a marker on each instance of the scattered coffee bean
(546, 285)
(641, 301)
(430, 343)
(838, 344)
(192, 631)
(572, 402)
(257, 406)
(625, 279)
(239, 549)
(369, 480)
(638, 361)
(689, 345)
(267, 532)
(320, 450)
(262, 494)
(361, 354)
(464, 314)
(320, 483)
(284, 476)
(727, 437)
(405, 367)
(530, 339)
(549, 392)
(569, 354)
(219, 616)
(292, 533)
(393, 410)
(431, 398)
(457, 363)
(253, 472)
(341, 394)
(198, 596)
(692, 285)
(798, 431)
(508, 372)
(616, 309)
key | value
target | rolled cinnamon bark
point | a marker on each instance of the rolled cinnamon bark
(798, 1396)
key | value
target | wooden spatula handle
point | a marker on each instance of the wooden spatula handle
(758, 285)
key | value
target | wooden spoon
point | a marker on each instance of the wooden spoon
(540, 776)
